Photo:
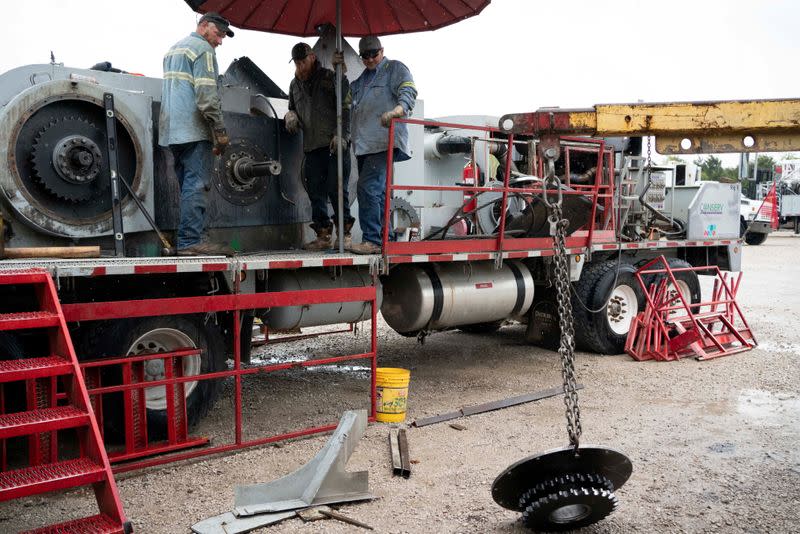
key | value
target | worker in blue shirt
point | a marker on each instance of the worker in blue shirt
(190, 125)
(384, 91)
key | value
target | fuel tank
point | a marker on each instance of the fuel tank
(292, 317)
(438, 296)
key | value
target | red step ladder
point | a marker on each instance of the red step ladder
(671, 327)
(49, 408)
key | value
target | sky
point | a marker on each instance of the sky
(516, 56)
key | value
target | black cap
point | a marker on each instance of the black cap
(219, 21)
(300, 51)
(370, 42)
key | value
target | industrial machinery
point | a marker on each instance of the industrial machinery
(56, 180)
(468, 235)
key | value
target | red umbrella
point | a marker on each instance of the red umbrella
(359, 17)
(354, 18)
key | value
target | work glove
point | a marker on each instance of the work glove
(387, 117)
(221, 140)
(334, 142)
(338, 59)
(292, 122)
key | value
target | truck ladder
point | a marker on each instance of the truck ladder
(46, 411)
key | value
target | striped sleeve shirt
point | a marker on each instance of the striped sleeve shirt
(190, 101)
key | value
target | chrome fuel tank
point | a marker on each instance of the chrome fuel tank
(291, 317)
(443, 295)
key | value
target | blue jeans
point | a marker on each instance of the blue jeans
(322, 179)
(372, 193)
(193, 166)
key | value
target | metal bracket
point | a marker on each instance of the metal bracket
(323, 480)
(113, 169)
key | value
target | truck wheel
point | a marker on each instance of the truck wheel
(753, 238)
(163, 334)
(606, 331)
(688, 283)
(482, 328)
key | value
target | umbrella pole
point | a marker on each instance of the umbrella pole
(339, 155)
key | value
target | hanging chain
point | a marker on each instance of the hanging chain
(566, 349)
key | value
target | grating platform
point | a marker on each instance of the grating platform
(292, 259)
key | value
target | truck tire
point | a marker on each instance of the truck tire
(753, 238)
(688, 283)
(161, 334)
(606, 331)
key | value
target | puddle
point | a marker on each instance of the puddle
(784, 347)
(723, 448)
(767, 407)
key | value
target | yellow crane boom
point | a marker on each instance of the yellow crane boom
(679, 127)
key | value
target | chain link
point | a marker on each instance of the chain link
(566, 349)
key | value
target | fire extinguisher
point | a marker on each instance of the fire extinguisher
(469, 178)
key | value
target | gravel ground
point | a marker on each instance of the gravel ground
(713, 444)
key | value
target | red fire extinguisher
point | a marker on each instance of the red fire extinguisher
(469, 178)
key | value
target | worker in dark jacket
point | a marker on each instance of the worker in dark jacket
(312, 109)
(191, 125)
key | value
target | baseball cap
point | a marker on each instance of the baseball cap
(219, 21)
(300, 51)
(370, 42)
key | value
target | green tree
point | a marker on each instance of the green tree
(710, 168)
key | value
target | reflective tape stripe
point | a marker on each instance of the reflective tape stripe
(177, 75)
(209, 62)
(205, 82)
(188, 52)
(407, 84)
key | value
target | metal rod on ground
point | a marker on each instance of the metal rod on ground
(339, 148)
(343, 518)
(490, 406)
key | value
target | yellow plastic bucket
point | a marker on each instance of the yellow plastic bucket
(391, 385)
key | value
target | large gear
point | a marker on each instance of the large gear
(67, 159)
(562, 483)
(403, 215)
(569, 509)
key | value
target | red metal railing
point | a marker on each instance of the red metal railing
(137, 445)
(601, 190)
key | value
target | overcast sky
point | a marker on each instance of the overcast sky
(518, 55)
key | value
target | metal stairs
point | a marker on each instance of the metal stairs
(54, 399)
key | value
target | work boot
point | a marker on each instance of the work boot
(323, 240)
(367, 247)
(206, 249)
(348, 238)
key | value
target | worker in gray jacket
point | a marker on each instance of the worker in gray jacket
(312, 109)
(384, 91)
(191, 126)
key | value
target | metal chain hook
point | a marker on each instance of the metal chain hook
(566, 349)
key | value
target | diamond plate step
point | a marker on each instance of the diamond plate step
(49, 477)
(27, 368)
(96, 524)
(22, 320)
(43, 420)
